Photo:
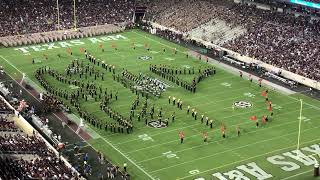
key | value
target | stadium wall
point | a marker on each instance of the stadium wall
(287, 74)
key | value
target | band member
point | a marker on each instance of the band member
(181, 136)
(205, 137)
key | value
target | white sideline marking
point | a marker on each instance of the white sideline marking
(221, 141)
(236, 162)
(168, 142)
(316, 107)
(289, 177)
(109, 143)
(231, 150)
(184, 127)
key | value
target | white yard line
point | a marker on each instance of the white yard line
(168, 142)
(292, 176)
(186, 149)
(226, 117)
(230, 150)
(316, 107)
(236, 162)
(105, 140)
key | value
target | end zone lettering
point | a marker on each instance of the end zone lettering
(65, 44)
(287, 161)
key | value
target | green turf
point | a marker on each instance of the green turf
(145, 158)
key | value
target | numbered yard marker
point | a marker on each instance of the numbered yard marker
(145, 137)
(305, 119)
(250, 95)
(169, 59)
(170, 155)
(277, 107)
(226, 84)
(195, 171)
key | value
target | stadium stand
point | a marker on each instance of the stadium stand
(280, 39)
(25, 156)
(25, 17)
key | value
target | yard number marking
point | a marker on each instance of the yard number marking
(193, 172)
(170, 155)
(145, 137)
(277, 107)
(305, 119)
(226, 84)
(248, 94)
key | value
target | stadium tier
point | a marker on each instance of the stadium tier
(158, 89)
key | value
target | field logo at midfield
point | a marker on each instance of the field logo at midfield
(242, 104)
(156, 124)
(69, 44)
(145, 58)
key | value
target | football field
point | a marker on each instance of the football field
(266, 152)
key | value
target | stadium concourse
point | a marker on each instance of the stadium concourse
(67, 74)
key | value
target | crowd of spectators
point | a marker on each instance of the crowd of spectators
(30, 16)
(280, 39)
(24, 156)
(4, 108)
(7, 125)
(36, 160)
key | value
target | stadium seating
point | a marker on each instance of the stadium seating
(24, 156)
(279, 39)
(52, 36)
(32, 16)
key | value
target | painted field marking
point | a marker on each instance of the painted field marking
(226, 84)
(170, 154)
(316, 107)
(305, 119)
(145, 137)
(249, 94)
(109, 143)
(165, 132)
(236, 162)
(187, 149)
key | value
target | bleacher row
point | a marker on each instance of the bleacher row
(28, 39)
(27, 156)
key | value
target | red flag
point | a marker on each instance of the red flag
(253, 118)
(270, 106)
(181, 134)
(264, 93)
(113, 45)
(69, 50)
(82, 49)
(222, 129)
(263, 119)
(205, 135)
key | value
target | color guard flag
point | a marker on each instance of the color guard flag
(264, 93)
(82, 49)
(100, 45)
(253, 118)
(69, 50)
(113, 45)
